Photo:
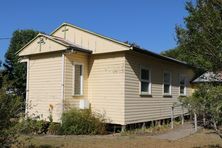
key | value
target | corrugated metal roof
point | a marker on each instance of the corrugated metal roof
(68, 43)
(208, 77)
(145, 51)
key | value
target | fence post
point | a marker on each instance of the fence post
(195, 121)
(182, 116)
(172, 116)
(123, 128)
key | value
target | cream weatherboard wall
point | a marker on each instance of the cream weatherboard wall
(106, 85)
(103, 83)
(70, 59)
(140, 108)
(88, 40)
(44, 85)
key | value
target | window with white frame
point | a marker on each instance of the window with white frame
(145, 83)
(167, 83)
(182, 85)
(78, 79)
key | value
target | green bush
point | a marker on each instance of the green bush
(206, 103)
(10, 109)
(54, 128)
(31, 126)
(73, 122)
(80, 122)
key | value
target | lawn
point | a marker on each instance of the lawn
(203, 138)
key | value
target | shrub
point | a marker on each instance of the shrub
(206, 102)
(10, 109)
(31, 126)
(82, 122)
(34, 125)
(54, 128)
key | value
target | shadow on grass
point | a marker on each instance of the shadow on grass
(216, 133)
(42, 146)
(210, 146)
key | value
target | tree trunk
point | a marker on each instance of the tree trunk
(216, 129)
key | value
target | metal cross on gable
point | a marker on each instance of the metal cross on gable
(65, 30)
(40, 42)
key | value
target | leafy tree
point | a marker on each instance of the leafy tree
(134, 44)
(1, 79)
(206, 102)
(10, 107)
(176, 53)
(200, 41)
(200, 44)
(15, 72)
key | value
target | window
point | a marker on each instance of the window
(78, 79)
(167, 83)
(182, 85)
(145, 85)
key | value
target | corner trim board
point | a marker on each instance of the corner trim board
(62, 87)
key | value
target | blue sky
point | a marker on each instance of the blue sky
(149, 23)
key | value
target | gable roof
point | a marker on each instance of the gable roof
(209, 77)
(90, 32)
(58, 40)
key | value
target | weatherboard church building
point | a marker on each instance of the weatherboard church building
(78, 68)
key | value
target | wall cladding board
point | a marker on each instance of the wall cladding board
(45, 85)
(146, 108)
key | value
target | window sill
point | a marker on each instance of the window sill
(167, 96)
(77, 95)
(145, 95)
(181, 95)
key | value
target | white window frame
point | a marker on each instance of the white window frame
(170, 84)
(142, 80)
(81, 79)
(185, 84)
